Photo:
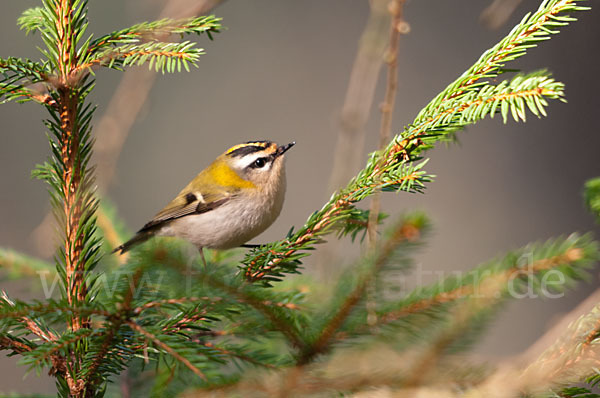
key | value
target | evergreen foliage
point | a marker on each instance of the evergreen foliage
(233, 329)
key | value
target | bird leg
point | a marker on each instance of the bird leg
(201, 250)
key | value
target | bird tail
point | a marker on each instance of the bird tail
(138, 238)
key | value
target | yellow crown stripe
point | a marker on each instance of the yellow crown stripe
(261, 144)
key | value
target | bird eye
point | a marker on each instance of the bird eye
(259, 163)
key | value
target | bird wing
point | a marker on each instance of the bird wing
(189, 202)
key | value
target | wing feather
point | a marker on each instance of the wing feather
(188, 203)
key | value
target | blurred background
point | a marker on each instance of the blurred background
(280, 71)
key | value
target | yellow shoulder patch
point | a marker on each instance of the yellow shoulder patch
(222, 175)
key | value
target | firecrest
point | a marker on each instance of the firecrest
(234, 199)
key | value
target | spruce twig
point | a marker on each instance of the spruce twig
(155, 340)
(10, 343)
(468, 99)
(291, 333)
(407, 231)
(29, 323)
(18, 264)
(576, 249)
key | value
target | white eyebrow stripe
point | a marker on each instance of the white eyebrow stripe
(247, 160)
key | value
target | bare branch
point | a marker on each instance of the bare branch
(395, 8)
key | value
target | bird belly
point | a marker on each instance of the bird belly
(227, 226)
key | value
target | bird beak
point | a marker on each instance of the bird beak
(282, 149)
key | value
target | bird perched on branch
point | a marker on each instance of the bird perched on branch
(234, 199)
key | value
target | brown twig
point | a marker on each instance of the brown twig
(29, 323)
(395, 8)
(351, 134)
(72, 172)
(7, 342)
(165, 347)
(359, 95)
(496, 14)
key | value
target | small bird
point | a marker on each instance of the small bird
(234, 199)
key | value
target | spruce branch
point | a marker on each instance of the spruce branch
(89, 373)
(242, 353)
(14, 344)
(18, 264)
(156, 30)
(47, 354)
(408, 230)
(14, 69)
(463, 102)
(592, 196)
(465, 318)
(83, 357)
(19, 80)
(143, 44)
(164, 346)
(163, 57)
(572, 359)
(412, 370)
(269, 262)
(534, 27)
(270, 312)
(33, 19)
(30, 323)
(570, 256)
(574, 356)
(174, 301)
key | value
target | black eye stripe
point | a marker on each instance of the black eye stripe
(261, 162)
